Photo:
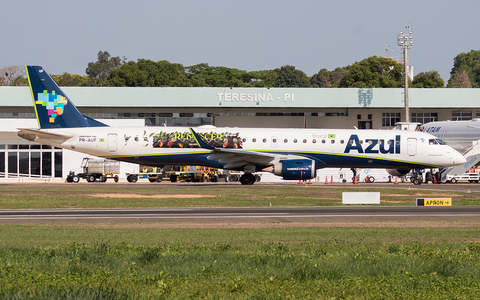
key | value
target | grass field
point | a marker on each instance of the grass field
(107, 262)
(208, 196)
(414, 260)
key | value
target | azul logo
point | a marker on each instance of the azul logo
(54, 104)
(373, 145)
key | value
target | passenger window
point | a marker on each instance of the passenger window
(264, 140)
(314, 141)
(323, 141)
(351, 142)
(285, 141)
(244, 140)
(333, 141)
(295, 140)
(254, 140)
(274, 140)
(342, 141)
(304, 141)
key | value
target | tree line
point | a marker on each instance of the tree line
(372, 72)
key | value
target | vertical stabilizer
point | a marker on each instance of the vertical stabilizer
(52, 106)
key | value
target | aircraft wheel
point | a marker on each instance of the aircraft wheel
(416, 181)
(75, 179)
(247, 179)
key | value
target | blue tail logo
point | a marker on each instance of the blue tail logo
(52, 106)
(53, 103)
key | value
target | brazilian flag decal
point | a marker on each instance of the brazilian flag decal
(331, 136)
(102, 140)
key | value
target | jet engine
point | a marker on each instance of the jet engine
(398, 172)
(294, 169)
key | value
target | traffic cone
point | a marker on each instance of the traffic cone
(331, 179)
(396, 181)
(299, 182)
(326, 179)
(309, 181)
(355, 180)
(434, 179)
(403, 179)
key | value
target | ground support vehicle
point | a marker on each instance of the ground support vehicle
(95, 169)
(191, 174)
(470, 177)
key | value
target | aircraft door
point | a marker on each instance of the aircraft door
(112, 142)
(274, 142)
(412, 146)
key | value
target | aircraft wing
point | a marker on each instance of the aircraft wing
(33, 134)
(237, 158)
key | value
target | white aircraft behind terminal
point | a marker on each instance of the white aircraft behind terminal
(294, 154)
(460, 135)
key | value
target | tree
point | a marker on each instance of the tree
(67, 79)
(430, 79)
(147, 73)
(288, 76)
(205, 75)
(100, 69)
(468, 62)
(460, 79)
(325, 78)
(373, 72)
(13, 76)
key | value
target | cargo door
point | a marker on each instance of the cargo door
(412, 146)
(112, 142)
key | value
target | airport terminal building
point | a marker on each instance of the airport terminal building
(363, 108)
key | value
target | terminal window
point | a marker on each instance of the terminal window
(461, 115)
(389, 119)
(424, 117)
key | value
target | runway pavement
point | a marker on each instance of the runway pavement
(243, 215)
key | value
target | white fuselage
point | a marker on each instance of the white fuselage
(158, 146)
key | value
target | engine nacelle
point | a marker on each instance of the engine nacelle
(295, 169)
(398, 172)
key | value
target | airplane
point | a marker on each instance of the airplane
(294, 154)
(457, 134)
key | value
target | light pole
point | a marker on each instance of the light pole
(405, 40)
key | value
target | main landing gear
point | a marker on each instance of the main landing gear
(247, 179)
(417, 178)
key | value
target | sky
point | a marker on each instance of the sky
(252, 35)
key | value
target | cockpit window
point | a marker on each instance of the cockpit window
(436, 142)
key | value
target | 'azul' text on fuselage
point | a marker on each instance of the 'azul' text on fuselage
(373, 146)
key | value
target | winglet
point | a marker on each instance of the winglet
(200, 141)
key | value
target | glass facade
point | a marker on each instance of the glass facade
(32, 161)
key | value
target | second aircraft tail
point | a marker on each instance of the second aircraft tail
(52, 106)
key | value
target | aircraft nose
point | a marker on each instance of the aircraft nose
(458, 158)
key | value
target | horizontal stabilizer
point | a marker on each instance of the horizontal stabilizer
(32, 134)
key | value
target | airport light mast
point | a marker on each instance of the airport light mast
(405, 41)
